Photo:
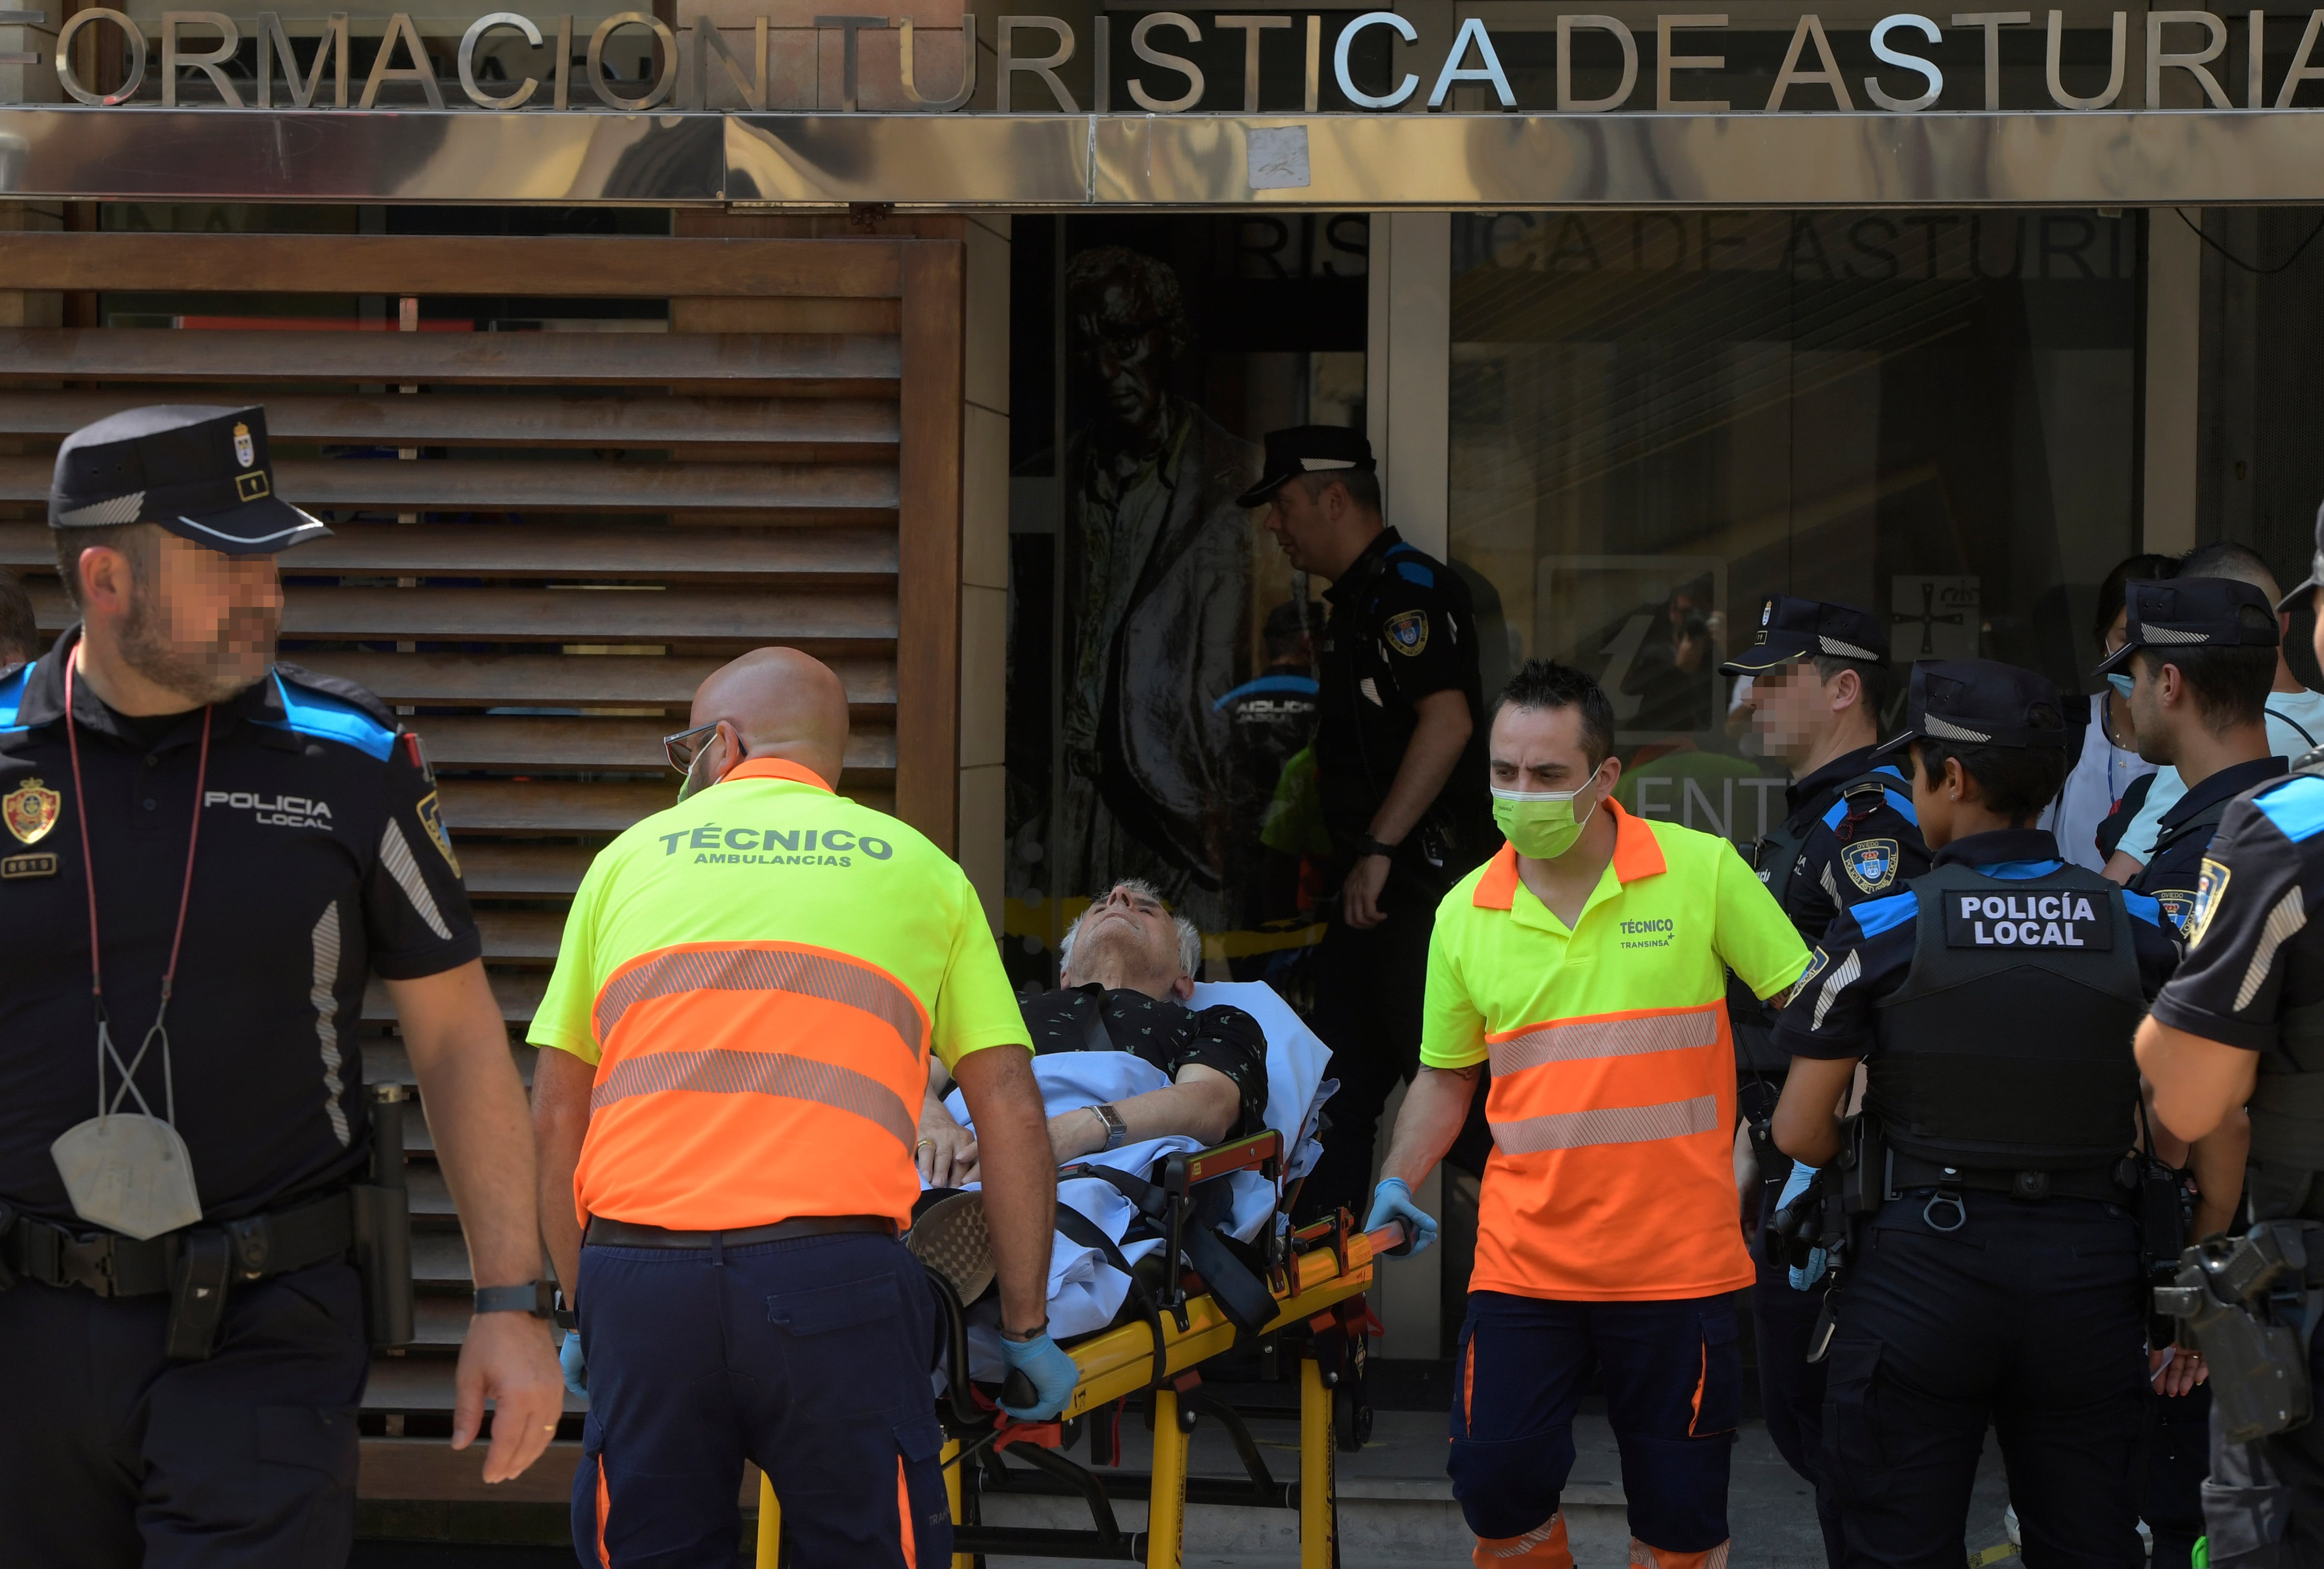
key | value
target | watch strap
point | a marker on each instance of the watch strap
(1368, 846)
(537, 1297)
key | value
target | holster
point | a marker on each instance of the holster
(2251, 1304)
(381, 1211)
(200, 1278)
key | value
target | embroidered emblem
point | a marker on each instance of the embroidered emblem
(1767, 613)
(244, 452)
(2209, 889)
(432, 817)
(1871, 863)
(31, 811)
(44, 864)
(252, 486)
(1407, 633)
(2178, 904)
(1815, 967)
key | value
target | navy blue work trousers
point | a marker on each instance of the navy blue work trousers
(1674, 1380)
(2027, 1316)
(809, 1357)
(114, 1457)
(1791, 1387)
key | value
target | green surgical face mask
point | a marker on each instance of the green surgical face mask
(1541, 824)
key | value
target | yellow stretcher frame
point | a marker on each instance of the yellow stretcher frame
(1336, 1265)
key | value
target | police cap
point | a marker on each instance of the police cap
(1978, 703)
(2188, 613)
(2298, 598)
(1308, 449)
(199, 471)
(1800, 629)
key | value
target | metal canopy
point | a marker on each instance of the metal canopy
(1379, 162)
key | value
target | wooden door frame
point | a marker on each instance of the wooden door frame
(929, 539)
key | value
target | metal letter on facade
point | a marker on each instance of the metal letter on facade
(468, 41)
(1666, 62)
(332, 47)
(708, 40)
(1810, 29)
(29, 56)
(2193, 64)
(1152, 56)
(1993, 22)
(664, 84)
(1567, 104)
(1252, 26)
(421, 70)
(208, 62)
(2057, 93)
(1912, 62)
(130, 80)
(908, 65)
(1472, 33)
(1045, 68)
(1355, 95)
(2302, 72)
(848, 26)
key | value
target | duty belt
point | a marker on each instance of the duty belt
(111, 1265)
(1907, 1172)
(606, 1233)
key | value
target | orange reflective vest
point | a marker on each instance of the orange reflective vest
(759, 974)
(1612, 1106)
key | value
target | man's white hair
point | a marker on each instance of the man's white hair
(1190, 937)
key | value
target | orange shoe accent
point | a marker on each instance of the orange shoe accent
(904, 1518)
(604, 1508)
(1645, 1557)
(1544, 1545)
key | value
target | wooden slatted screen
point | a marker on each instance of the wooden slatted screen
(577, 527)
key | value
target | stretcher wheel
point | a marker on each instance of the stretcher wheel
(1352, 1417)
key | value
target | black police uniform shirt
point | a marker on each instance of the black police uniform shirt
(2171, 877)
(1160, 1031)
(2252, 952)
(1852, 848)
(1867, 952)
(1401, 629)
(322, 861)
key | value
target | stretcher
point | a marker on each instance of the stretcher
(1311, 1330)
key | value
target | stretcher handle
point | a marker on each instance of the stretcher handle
(1017, 1389)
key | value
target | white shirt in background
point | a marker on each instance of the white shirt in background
(2295, 724)
(2100, 776)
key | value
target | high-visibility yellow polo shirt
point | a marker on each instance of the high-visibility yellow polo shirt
(759, 975)
(1612, 1175)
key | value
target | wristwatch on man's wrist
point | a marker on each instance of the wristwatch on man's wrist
(1368, 846)
(1117, 1132)
(537, 1297)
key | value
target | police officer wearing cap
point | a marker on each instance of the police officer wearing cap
(2242, 1024)
(2200, 655)
(204, 856)
(1400, 768)
(1820, 675)
(1995, 1273)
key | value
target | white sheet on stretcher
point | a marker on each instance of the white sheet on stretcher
(1085, 1291)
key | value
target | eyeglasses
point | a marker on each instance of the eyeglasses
(684, 747)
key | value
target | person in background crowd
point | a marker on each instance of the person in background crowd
(1996, 1276)
(20, 635)
(2295, 715)
(1400, 774)
(1819, 676)
(1587, 961)
(2107, 765)
(2238, 1025)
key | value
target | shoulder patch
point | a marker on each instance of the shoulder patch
(2209, 888)
(432, 817)
(1407, 633)
(1413, 572)
(309, 708)
(1876, 916)
(2178, 904)
(1871, 863)
(1817, 964)
(2296, 806)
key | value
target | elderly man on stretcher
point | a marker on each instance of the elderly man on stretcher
(1136, 1061)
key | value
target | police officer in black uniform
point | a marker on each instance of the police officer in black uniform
(203, 857)
(2242, 1023)
(1820, 675)
(1997, 1271)
(1400, 764)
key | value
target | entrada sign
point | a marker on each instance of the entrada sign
(685, 80)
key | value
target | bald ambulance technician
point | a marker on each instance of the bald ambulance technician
(741, 1017)
(1588, 962)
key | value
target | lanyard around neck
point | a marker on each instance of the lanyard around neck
(88, 864)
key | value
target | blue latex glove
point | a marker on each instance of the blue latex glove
(1052, 1371)
(1392, 1201)
(1801, 1279)
(569, 1357)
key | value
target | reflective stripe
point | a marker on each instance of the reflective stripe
(762, 968)
(756, 1072)
(1607, 1125)
(1583, 1039)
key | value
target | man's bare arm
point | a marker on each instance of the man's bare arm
(475, 1109)
(1807, 1115)
(2196, 1082)
(1441, 729)
(560, 1122)
(1203, 1104)
(1433, 1109)
(1020, 1176)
